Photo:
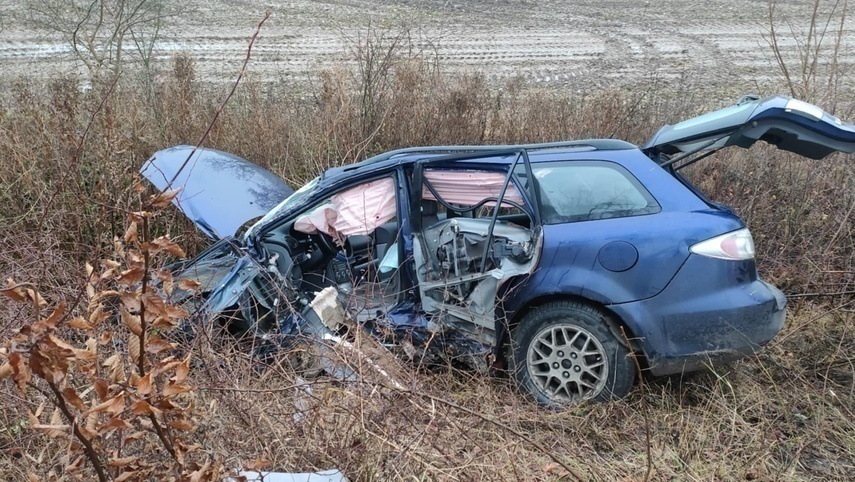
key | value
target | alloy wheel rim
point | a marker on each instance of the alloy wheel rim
(567, 363)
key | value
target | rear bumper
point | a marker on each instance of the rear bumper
(705, 317)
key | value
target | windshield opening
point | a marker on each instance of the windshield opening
(291, 202)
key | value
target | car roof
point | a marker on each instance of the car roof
(498, 154)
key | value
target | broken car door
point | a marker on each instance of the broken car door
(474, 229)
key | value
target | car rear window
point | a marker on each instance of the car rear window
(587, 190)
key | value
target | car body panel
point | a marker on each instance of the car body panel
(223, 272)
(786, 123)
(220, 192)
(572, 254)
(690, 324)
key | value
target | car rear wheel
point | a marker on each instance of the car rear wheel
(563, 353)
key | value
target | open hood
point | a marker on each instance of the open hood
(787, 123)
(220, 191)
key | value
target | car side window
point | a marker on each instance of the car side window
(587, 190)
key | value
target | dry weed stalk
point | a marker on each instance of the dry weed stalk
(815, 74)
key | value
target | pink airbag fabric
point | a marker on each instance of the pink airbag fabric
(357, 211)
(468, 188)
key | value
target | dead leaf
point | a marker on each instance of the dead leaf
(87, 434)
(132, 322)
(553, 468)
(174, 389)
(132, 276)
(98, 315)
(163, 199)
(115, 423)
(51, 321)
(181, 371)
(179, 453)
(168, 284)
(135, 436)
(71, 397)
(131, 233)
(122, 462)
(141, 407)
(101, 388)
(52, 430)
(144, 385)
(127, 475)
(5, 370)
(21, 373)
(154, 305)
(37, 297)
(163, 322)
(131, 302)
(169, 246)
(109, 263)
(88, 355)
(165, 405)
(181, 424)
(119, 247)
(114, 366)
(138, 216)
(92, 421)
(118, 403)
(66, 349)
(80, 324)
(134, 349)
(101, 407)
(16, 294)
(257, 464)
(176, 312)
(203, 473)
(135, 259)
(188, 284)
(157, 344)
(49, 361)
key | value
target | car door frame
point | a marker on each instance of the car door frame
(530, 193)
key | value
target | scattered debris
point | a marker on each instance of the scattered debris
(332, 475)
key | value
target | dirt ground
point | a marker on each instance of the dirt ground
(583, 45)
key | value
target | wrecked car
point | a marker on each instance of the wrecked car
(557, 260)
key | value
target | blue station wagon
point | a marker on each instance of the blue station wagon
(558, 261)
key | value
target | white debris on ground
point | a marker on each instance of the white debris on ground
(333, 475)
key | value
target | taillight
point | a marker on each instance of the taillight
(734, 246)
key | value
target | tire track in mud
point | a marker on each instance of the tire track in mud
(582, 46)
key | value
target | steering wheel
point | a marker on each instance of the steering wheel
(325, 243)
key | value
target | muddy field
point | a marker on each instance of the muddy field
(584, 45)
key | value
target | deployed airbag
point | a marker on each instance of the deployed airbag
(357, 211)
(469, 187)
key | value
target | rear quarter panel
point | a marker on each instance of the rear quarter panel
(569, 262)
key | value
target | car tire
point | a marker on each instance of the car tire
(563, 353)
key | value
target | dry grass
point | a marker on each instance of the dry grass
(779, 416)
(785, 414)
